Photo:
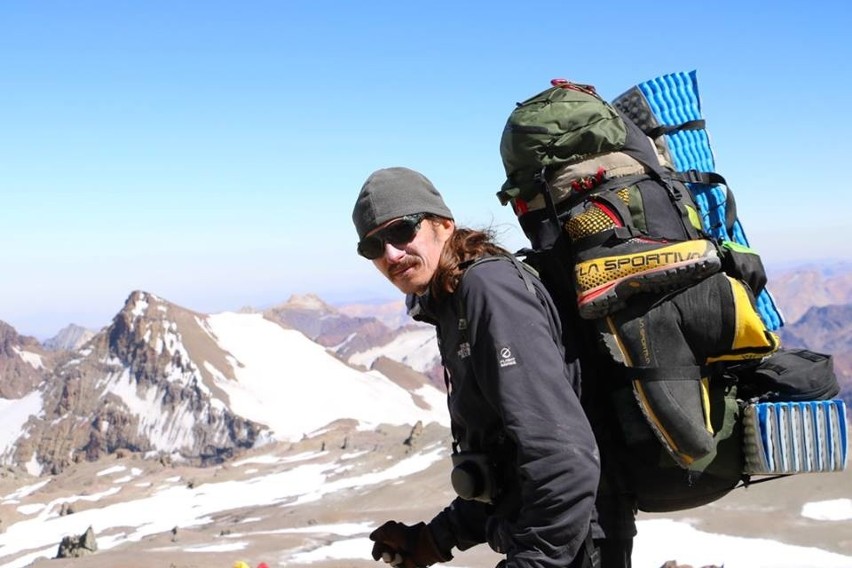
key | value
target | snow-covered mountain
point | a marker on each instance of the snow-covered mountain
(167, 381)
(361, 339)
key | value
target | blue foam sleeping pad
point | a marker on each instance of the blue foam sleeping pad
(674, 100)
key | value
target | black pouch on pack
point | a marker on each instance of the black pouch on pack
(790, 375)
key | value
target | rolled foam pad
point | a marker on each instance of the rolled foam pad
(673, 100)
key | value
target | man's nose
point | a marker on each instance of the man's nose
(392, 253)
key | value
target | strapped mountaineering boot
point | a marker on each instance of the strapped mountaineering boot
(605, 282)
(616, 256)
(668, 347)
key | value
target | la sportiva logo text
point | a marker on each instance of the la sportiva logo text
(639, 261)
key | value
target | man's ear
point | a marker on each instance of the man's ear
(443, 227)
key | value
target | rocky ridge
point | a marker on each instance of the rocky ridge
(24, 363)
(147, 355)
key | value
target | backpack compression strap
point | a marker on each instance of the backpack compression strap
(710, 179)
(523, 270)
(662, 129)
(637, 150)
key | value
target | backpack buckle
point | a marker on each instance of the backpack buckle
(693, 176)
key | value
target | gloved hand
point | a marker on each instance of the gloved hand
(407, 546)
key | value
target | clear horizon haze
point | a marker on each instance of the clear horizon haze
(210, 152)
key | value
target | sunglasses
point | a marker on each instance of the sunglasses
(399, 232)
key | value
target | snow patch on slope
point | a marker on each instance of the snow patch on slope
(295, 387)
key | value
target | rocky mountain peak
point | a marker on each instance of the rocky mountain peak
(146, 383)
(69, 338)
(144, 335)
(165, 381)
(307, 302)
(11, 341)
(23, 363)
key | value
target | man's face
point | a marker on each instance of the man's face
(410, 266)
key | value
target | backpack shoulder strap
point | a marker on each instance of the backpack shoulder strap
(524, 270)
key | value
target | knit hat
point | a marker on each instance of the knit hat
(395, 192)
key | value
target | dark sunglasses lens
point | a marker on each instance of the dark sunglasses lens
(371, 247)
(401, 233)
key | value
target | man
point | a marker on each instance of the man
(526, 462)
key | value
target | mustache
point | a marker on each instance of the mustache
(404, 265)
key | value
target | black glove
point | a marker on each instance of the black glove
(742, 263)
(406, 546)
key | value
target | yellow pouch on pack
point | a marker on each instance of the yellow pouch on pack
(751, 338)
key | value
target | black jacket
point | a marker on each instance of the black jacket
(513, 397)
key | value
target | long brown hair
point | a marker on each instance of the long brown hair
(462, 246)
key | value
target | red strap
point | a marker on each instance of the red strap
(566, 84)
(609, 213)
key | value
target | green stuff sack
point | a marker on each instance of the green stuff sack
(575, 164)
(566, 123)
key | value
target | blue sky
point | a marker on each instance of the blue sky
(210, 152)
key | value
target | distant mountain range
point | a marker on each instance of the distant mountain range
(796, 290)
(817, 304)
(176, 384)
(164, 389)
(360, 339)
(166, 380)
(281, 407)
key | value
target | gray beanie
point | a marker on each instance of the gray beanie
(395, 192)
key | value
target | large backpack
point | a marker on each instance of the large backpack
(663, 299)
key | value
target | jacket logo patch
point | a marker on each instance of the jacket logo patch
(506, 358)
(464, 350)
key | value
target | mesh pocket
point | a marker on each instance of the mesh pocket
(597, 218)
